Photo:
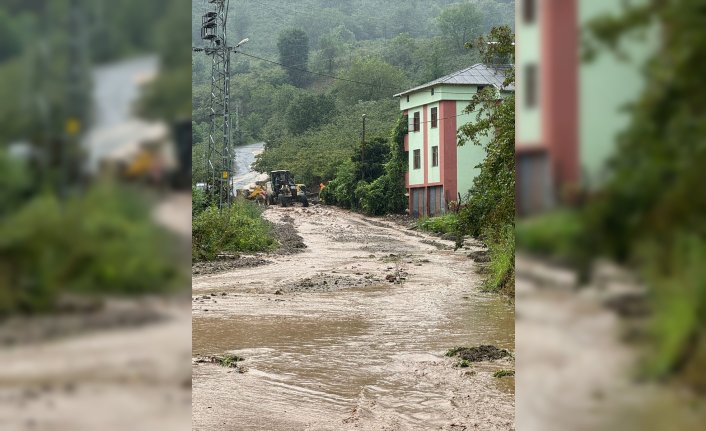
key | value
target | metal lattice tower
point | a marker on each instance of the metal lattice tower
(220, 147)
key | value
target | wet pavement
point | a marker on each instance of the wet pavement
(576, 368)
(244, 158)
(330, 343)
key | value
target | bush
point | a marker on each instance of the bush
(199, 201)
(556, 235)
(239, 228)
(102, 243)
(385, 194)
(501, 270)
(443, 224)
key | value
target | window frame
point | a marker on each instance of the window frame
(416, 122)
(531, 84)
(434, 117)
(434, 156)
(529, 11)
(417, 159)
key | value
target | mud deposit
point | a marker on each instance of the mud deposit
(350, 334)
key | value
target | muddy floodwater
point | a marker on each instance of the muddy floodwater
(351, 334)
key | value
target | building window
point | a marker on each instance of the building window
(434, 117)
(435, 155)
(529, 11)
(415, 126)
(417, 159)
(408, 97)
(530, 81)
(432, 91)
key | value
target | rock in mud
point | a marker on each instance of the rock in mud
(227, 264)
(290, 241)
(478, 354)
(480, 256)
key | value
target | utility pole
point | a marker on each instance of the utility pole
(77, 98)
(362, 151)
(219, 159)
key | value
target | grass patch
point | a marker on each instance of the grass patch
(677, 278)
(463, 363)
(239, 228)
(454, 351)
(556, 235)
(501, 269)
(102, 242)
(229, 361)
(504, 373)
(442, 224)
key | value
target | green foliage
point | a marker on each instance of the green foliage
(200, 201)
(490, 211)
(385, 194)
(463, 363)
(650, 212)
(501, 269)
(308, 111)
(386, 80)
(229, 360)
(454, 351)
(100, 243)
(293, 46)
(504, 373)
(447, 223)
(16, 184)
(168, 97)
(10, 41)
(239, 228)
(555, 235)
(461, 23)
(317, 154)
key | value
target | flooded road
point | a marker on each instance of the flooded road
(117, 87)
(244, 158)
(577, 369)
(330, 343)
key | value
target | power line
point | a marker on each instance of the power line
(316, 73)
(340, 78)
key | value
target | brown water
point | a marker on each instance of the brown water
(366, 356)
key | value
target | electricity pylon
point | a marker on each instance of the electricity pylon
(219, 158)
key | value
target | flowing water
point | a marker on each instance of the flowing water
(362, 357)
(244, 158)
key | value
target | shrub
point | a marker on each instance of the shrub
(101, 243)
(556, 235)
(501, 270)
(447, 223)
(239, 228)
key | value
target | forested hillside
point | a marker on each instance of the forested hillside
(312, 68)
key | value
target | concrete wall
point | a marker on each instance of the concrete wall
(434, 173)
(456, 178)
(606, 85)
(469, 156)
(416, 142)
(527, 51)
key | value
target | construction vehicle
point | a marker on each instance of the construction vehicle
(281, 189)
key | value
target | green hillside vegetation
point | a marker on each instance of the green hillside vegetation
(345, 58)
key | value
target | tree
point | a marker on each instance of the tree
(650, 212)
(308, 111)
(492, 201)
(293, 46)
(490, 212)
(10, 42)
(461, 23)
(370, 79)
